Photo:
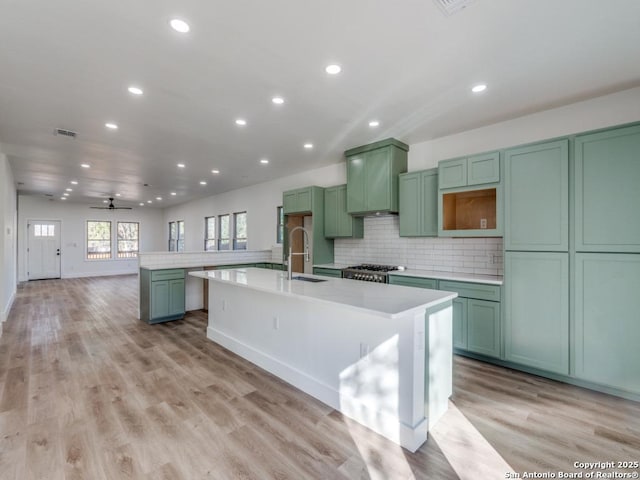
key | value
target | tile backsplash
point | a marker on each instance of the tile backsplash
(382, 244)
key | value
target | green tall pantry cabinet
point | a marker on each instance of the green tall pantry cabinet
(536, 330)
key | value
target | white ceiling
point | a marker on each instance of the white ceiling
(68, 64)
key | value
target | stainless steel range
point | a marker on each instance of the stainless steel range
(369, 273)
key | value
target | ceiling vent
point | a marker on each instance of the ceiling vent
(66, 133)
(449, 7)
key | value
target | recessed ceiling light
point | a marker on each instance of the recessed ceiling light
(241, 122)
(69, 189)
(149, 201)
(479, 88)
(173, 193)
(117, 194)
(158, 198)
(66, 194)
(85, 165)
(215, 171)
(308, 146)
(264, 161)
(333, 69)
(111, 126)
(374, 123)
(202, 182)
(142, 204)
(63, 198)
(73, 182)
(179, 25)
(180, 165)
(105, 201)
(135, 90)
(278, 100)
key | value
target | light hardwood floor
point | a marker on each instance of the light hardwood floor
(89, 392)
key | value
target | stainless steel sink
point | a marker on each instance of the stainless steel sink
(307, 279)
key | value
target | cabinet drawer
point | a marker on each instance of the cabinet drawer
(327, 272)
(480, 291)
(418, 282)
(167, 274)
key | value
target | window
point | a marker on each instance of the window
(40, 230)
(173, 234)
(98, 240)
(128, 239)
(240, 231)
(280, 224)
(176, 236)
(225, 234)
(180, 235)
(209, 233)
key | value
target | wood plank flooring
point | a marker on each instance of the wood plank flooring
(87, 391)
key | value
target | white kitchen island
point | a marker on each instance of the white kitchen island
(380, 354)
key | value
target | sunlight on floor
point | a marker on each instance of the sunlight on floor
(468, 452)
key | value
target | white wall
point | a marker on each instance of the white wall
(609, 110)
(73, 219)
(259, 201)
(8, 252)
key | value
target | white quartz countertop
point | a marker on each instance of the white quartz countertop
(389, 301)
(187, 265)
(457, 277)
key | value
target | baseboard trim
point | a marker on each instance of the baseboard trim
(409, 437)
(5, 312)
(552, 376)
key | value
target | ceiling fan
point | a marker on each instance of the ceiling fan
(111, 206)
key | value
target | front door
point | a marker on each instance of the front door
(44, 249)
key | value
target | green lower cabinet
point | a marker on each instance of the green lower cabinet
(162, 295)
(459, 323)
(328, 272)
(607, 325)
(483, 327)
(536, 320)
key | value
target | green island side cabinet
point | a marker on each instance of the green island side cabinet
(372, 176)
(162, 295)
(418, 213)
(337, 221)
(607, 191)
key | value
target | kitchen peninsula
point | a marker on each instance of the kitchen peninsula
(380, 354)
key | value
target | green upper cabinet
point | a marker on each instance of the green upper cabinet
(299, 200)
(536, 320)
(372, 176)
(419, 203)
(470, 196)
(607, 191)
(537, 197)
(337, 222)
(607, 323)
(474, 170)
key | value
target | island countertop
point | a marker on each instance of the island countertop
(390, 301)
